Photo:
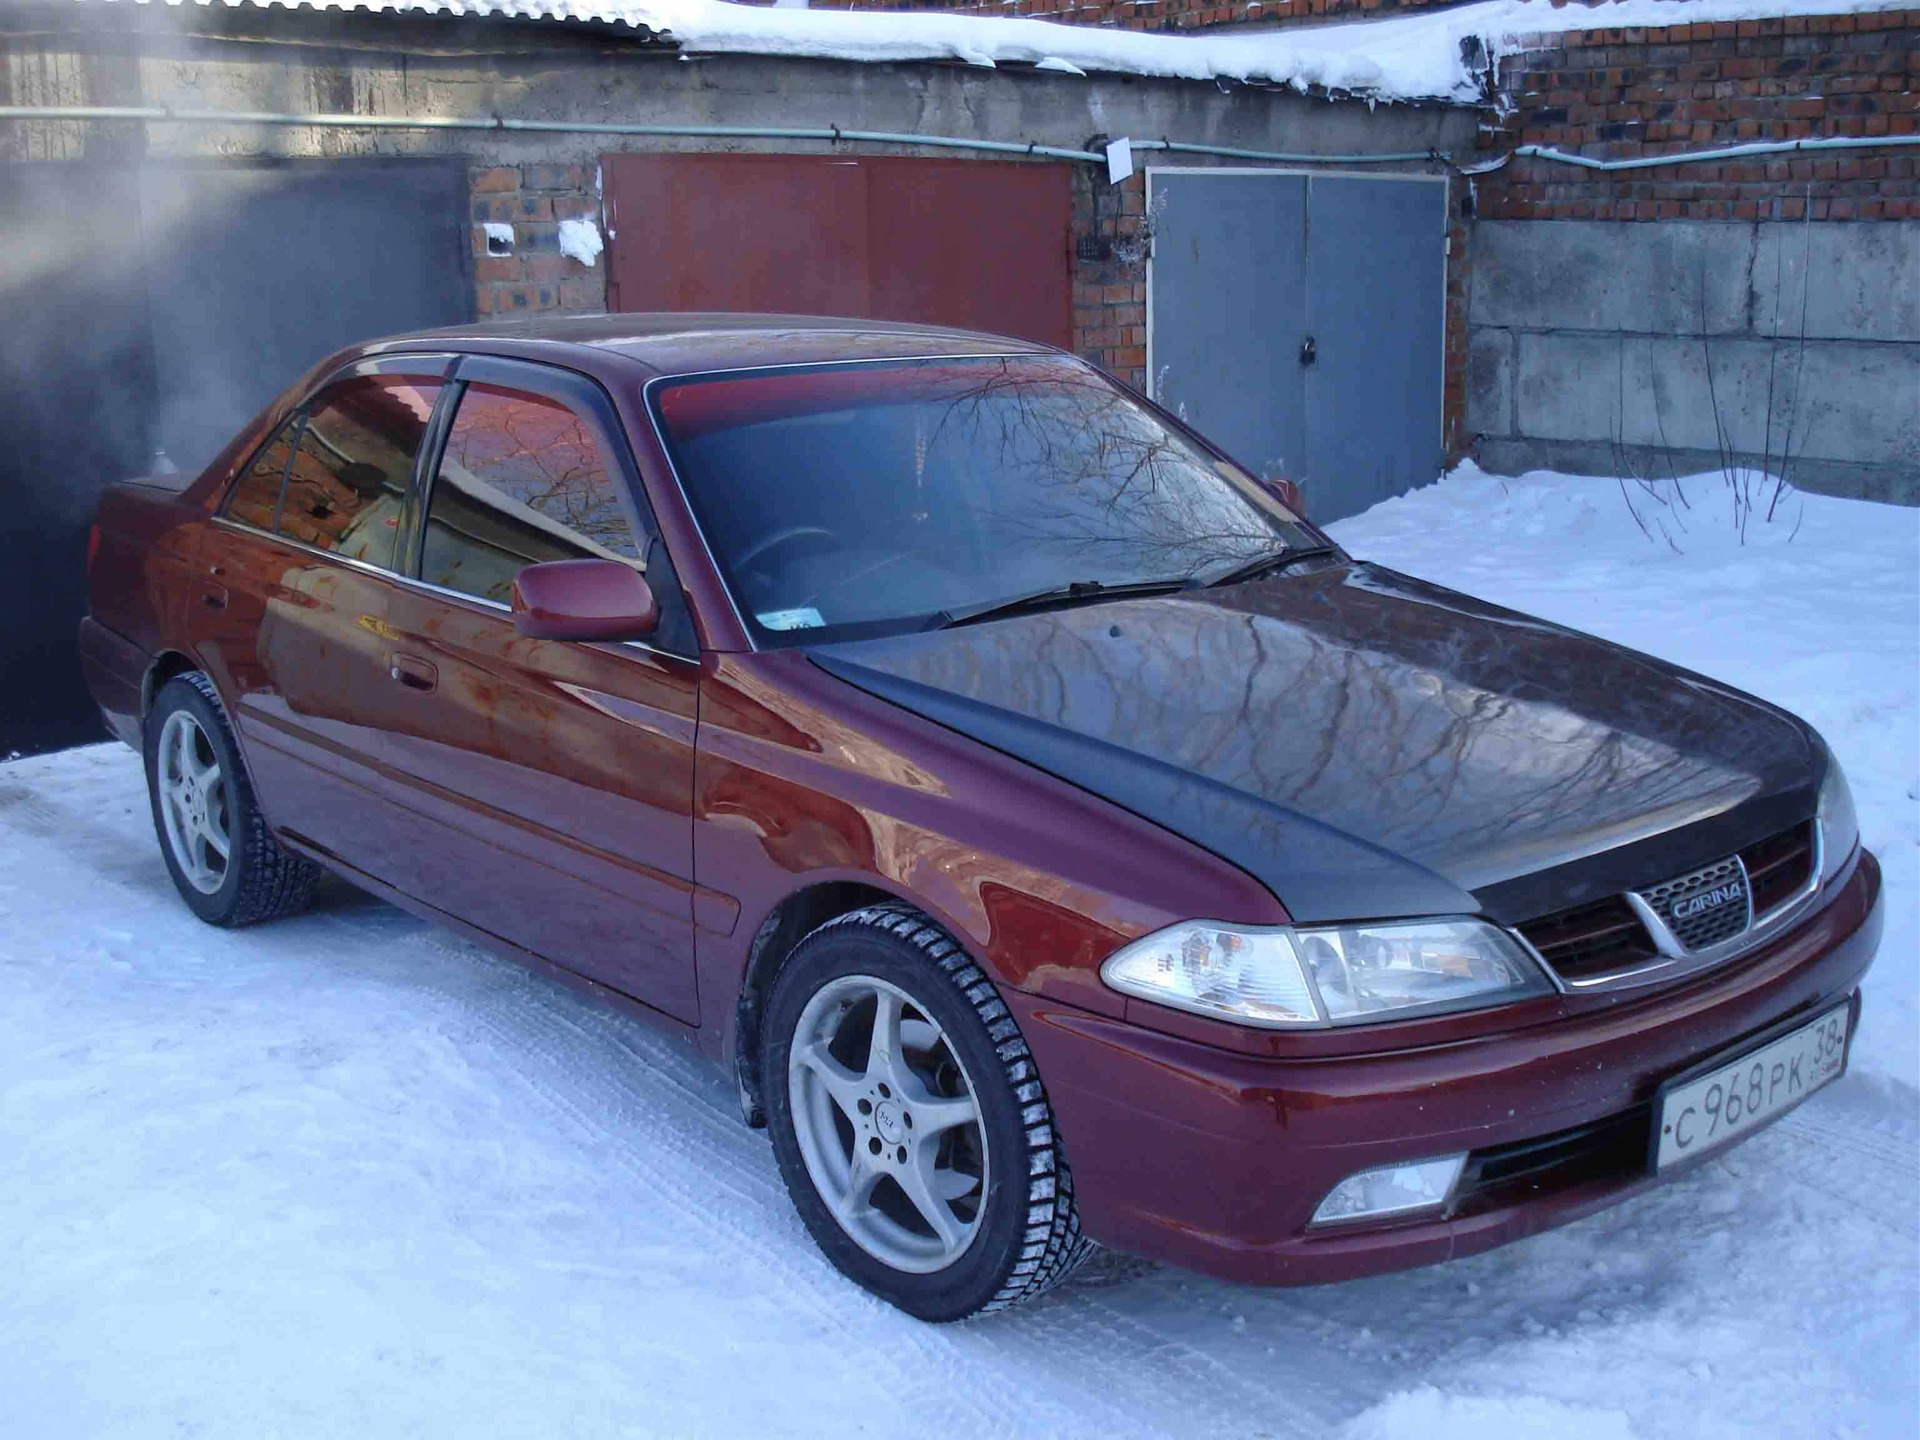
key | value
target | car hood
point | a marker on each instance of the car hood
(1366, 744)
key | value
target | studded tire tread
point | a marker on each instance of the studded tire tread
(1051, 1246)
(270, 881)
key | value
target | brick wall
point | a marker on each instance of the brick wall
(1616, 94)
(534, 275)
(1110, 288)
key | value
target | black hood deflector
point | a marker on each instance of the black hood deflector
(1368, 745)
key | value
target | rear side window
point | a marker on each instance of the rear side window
(523, 479)
(256, 498)
(346, 491)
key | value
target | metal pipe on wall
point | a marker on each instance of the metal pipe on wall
(833, 133)
(1689, 157)
(836, 135)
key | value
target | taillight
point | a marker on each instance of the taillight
(93, 544)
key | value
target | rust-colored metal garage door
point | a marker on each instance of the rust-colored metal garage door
(976, 243)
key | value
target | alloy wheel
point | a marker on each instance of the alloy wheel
(194, 803)
(888, 1124)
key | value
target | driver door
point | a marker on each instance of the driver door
(561, 774)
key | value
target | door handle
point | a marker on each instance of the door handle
(1309, 352)
(214, 597)
(412, 672)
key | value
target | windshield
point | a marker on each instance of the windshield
(849, 500)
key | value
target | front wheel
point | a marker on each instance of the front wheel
(909, 1122)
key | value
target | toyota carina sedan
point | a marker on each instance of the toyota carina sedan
(1058, 838)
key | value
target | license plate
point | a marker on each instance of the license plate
(1697, 1116)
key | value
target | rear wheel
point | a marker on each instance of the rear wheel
(225, 864)
(910, 1125)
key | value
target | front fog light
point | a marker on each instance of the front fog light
(1391, 1190)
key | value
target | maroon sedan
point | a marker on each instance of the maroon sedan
(993, 775)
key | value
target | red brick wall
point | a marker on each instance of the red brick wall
(1453, 400)
(534, 199)
(1615, 94)
(1110, 293)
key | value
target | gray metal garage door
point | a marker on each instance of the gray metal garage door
(1298, 320)
(159, 308)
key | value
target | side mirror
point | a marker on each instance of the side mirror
(584, 600)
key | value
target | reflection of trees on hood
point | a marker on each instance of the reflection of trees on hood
(1445, 737)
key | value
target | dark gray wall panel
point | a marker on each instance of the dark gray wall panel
(76, 411)
(256, 271)
(160, 308)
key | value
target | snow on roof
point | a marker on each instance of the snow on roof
(1413, 57)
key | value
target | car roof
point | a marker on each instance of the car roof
(686, 343)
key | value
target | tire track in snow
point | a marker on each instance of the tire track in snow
(1083, 1320)
(616, 1100)
(602, 1107)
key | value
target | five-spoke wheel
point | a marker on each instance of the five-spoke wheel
(887, 1120)
(193, 802)
(225, 863)
(909, 1120)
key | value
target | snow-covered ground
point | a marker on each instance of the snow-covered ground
(347, 1175)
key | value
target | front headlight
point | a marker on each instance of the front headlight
(1839, 826)
(1291, 977)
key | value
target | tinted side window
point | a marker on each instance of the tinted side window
(256, 495)
(523, 480)
(347, 490)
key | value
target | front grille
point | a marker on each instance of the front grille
(1779, 867)
(1587, 944)
(1705, 907)
(1602, 938)
(1611, 1149)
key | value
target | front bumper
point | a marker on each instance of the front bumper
(1215, 1161)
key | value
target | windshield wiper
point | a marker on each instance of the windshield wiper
(1238, 570)
(1076, 592)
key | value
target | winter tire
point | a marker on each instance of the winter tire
(909, 1122)
(225, 864)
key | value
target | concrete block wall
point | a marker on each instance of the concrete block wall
(1596, 339)
(1591, 341)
